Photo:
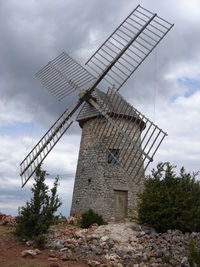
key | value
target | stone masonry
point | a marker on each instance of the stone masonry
(96, 181)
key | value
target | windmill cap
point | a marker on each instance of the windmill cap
(117, 106)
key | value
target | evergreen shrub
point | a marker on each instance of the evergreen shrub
(38, 214)
(170, 201)
(90, 217)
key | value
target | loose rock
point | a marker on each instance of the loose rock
(30, 253)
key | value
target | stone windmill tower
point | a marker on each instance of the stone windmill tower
(118, 142)
(101, 184)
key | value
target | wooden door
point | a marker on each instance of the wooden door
(120, 205)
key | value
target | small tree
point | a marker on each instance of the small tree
(170, 201)
(35, 218)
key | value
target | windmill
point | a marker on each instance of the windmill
(133, 138)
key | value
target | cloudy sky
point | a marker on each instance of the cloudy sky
(166, 88)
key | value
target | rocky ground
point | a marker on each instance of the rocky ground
(121, 244)
(7, 220)
(14, 253)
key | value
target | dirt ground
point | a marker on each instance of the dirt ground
(10, 254)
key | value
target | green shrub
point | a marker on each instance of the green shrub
(194, 255)
(170, 201)
(89, 217)
(38, 214)
(40, 242)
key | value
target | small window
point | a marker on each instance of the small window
(113, 156)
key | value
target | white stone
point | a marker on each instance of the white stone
(104, 238)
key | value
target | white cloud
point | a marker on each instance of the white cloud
(12, 112)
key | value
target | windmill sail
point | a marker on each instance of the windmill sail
(125, 124)
(133, 40)
(44, 146)
(64, 75)
(115, 61)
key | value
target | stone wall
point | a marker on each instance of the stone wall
(96, 180)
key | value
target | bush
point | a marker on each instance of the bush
(170, 201)
(40, 241)
(35, 218)
(89, 217)
(194, 255)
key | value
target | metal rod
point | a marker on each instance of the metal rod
(134, 54)
(156, 28)
(171, 24)
(114, 46)
(146, 10)
(142, 45)
(48, 68)
(97, 125)
(122, 38)
(150, 149)
(125, 33)
(160, 24)
(144, 149)
(119, 76)
(133, 26)
(152, 156)
(131, 56)
(121, 122)
(107, 53)
(133, 117)
(117, 102)
(139, 18)
(142, 14)
(139, 50)
(119, 42)
(104, 57)
(44, 157)
(108, 97)
(85, 82)
(136, 22)
(113, 32)
(146, 56)
(141, 146)
(100, 61)
(66, 111)
(129, 29)
(103, 129)
(134, 134)
(146, 41)
(112, 96)
(154, 33)
(118, 122)
(124, 65)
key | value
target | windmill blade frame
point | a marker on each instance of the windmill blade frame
(134, 39)
(140, 141)
(63, 76)
(46, 144)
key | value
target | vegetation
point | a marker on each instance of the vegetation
(90, 217)
(170, 201)
(194, 255)
(38, 214)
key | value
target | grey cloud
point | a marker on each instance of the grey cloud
(34, 32)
